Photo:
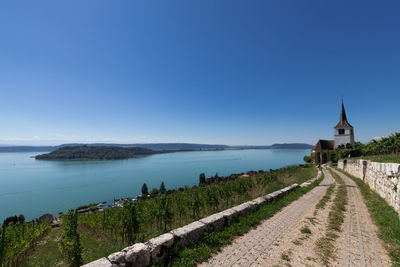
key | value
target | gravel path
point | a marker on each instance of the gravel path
(254, 248)
(265, 245)
(360, 243)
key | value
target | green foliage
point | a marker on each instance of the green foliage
(2, 245)
(385, 145)
(70, 245)
(16, 237)
(96, 153)
(307, 159)
(333, 156)
(145, 191)
(154, 191)
(14, 219)
(202, 179)
(162, 190)
(130, 222)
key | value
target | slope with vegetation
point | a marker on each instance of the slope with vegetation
(386, 149)
(96, 153)
(103, 232)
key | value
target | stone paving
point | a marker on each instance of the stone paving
(253, 248)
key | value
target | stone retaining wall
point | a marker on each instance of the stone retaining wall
(156, 250)
(383, 178)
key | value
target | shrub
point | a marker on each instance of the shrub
(307, 159)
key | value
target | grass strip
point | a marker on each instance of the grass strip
(213, 242)
(325, 245)
(388, 158)
(325, 199)
(384, 216)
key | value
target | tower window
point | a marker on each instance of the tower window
(341, 131)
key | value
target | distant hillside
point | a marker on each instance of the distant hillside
(277, 146)
(155, 147)
(27, 148)
(96, 153)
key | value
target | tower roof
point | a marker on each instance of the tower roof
(343, 118)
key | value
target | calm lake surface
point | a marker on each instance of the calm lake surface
(35, 187)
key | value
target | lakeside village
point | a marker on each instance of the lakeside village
(119, 202)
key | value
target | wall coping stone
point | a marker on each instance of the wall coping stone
(159, 247)
(117, 257)
(214, 222)
(102, 262)
(139, 254)
(189, 234)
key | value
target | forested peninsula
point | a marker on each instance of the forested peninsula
(97, 153)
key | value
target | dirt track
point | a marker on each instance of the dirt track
(282, 240)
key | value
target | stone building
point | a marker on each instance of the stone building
(344, 137)
(320, 152)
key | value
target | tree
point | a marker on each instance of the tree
(307, 159)
(145, 191)
(154, 192)
(202, 179)
(333, 156)
(162, 190)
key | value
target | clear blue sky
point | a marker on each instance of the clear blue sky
(229, 72)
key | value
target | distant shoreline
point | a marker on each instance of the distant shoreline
(78, 153)
(171, 147)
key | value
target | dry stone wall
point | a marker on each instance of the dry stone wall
(383, 178)
(156, 250)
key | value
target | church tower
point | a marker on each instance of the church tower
(344, 132)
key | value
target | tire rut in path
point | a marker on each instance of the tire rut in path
(254, 246)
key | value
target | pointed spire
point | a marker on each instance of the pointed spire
(343, 118)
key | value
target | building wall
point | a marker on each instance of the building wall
(343, 139)
(320, 156)
(383, 178)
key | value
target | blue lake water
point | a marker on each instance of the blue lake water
(34, 187)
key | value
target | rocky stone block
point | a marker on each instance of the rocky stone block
(243, 209)
(285, 190)
(253, 205)
(159, 247)
(189, 234)
(117, 257)
(274, 195)
(229, 214)
(305, 184)
(260, 201)
(138, 255)
(294, 187)
(267, 198)
(103, 262)
(214, 222)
